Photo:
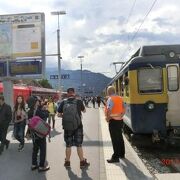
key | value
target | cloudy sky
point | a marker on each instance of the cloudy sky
(102, 31)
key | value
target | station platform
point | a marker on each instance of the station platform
(131, 167)
(175, 176)
(97, 149)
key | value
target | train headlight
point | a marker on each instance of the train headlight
(172, 54)
(149, 105)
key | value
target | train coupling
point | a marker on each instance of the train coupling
(155, 136)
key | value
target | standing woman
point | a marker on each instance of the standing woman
(19, 118)
(52, 111)
(39, 144)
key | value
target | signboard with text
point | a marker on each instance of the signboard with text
(54, 77)
(25, 68)
(22, 45)
(5, 41)
(3, 68)
(21, 35)
(63, 76)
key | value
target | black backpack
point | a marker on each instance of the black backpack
(71, 119)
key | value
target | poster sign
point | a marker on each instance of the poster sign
(21, 35)
(5, 41)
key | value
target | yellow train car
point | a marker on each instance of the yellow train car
(149, 84)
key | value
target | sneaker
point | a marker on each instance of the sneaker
(21, 147)
(84, 164)
(7, 144)
(122, 157)
(45, 168)
(112, 160)
(34, 167)
(1, 149)
(67, 164)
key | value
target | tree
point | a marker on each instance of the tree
(45, 83)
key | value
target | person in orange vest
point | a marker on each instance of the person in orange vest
(114, 116)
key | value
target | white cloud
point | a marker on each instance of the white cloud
(99, 30)
(80, 23)
(111, 27)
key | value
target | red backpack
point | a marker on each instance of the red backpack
(40, 127)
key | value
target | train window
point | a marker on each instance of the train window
(121, 86)
(126, 84)
(150, 80)
(117, 87)
(172, 78)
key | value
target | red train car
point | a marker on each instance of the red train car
(27, 91)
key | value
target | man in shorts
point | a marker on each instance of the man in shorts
(73, 137)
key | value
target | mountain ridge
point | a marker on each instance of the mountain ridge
(92, 83)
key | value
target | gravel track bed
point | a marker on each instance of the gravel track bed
(159, 160)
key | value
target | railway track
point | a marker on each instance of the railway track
(158, 158)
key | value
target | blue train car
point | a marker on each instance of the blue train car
(149, 85)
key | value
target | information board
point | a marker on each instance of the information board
(25, 68)
(21, 35)
(5, 40)
(54, 77)
(63, 76)
(3, 68)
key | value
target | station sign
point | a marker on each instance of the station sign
(63, 76)
(5, 41)
(22, 39)
(54, 77)
(25, 68)
(3, 69)
(21, 35)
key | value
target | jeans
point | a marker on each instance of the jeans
(53, 119)
(39, 144)
(19, 129)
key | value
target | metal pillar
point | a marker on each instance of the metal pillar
(8, 92)
(58, 13)
(59, 58)
(81, 57)
(81, 80)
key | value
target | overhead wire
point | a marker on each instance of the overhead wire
(143, 20)
(135, 34)
(127, 20)
(130, 13)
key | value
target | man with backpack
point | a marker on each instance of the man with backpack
(70, 110)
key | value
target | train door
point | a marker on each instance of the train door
(173, 90)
